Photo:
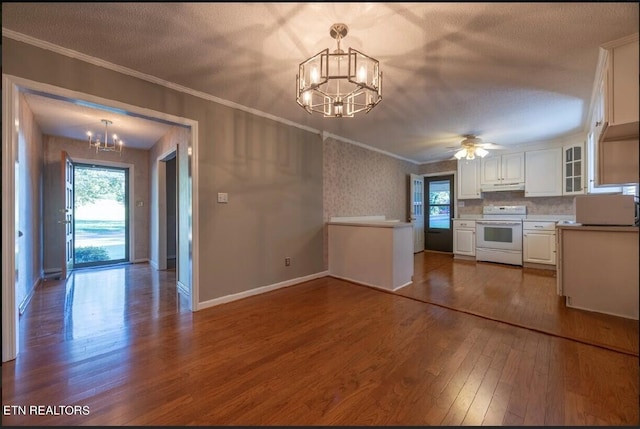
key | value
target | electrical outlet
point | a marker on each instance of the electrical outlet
(287, 261)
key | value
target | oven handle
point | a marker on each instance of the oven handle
(498, 223)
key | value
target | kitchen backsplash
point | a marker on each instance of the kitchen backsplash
(535, 206)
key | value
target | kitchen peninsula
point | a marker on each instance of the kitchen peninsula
(598, 268)
(371, 250)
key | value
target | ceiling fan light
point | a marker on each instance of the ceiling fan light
(461, 154)
(481, 152)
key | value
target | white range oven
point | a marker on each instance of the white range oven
(499, 234)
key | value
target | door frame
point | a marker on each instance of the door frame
(412, 215)
(11, 88)
(159, 209)
(453, 173)
(130, 191)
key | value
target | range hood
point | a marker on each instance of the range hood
(503, 187)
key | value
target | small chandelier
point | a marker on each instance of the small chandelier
(105, 146)
(339, 84)
(470, 152)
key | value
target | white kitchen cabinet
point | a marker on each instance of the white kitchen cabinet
(598, 268)
(616, 114)
(464, 237)
(539, 242)
(468, 179)
(543, 173)
(503, 169)
(620, 88)
(573, 160)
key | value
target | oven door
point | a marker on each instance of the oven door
(502, 235)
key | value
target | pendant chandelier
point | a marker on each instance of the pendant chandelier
(339, 84)
(103, 145)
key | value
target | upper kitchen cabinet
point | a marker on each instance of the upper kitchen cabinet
(615, 114)
(573, 174)
(502, 170)
(619, 89)
(468, 179)
(543, 173)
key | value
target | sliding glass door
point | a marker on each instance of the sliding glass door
(101, 215)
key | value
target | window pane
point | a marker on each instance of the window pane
(439, 217)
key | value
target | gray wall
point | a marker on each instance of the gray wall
(272, 172)
(80, 150)
(29, 207)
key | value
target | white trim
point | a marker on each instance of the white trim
(101, 63)
(326, 134)
(27, 299)
(161, 216)
(192, 150)
(10, 110)
(455, 181)
(153, 264)
(261, 290)
(602, 62)
(183, 289)
(56, 270)
(140, 261)
(132, 207)
(369, 284)
(621, 41)
(10, 312)
(126, 71)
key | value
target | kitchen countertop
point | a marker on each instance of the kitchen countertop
(535, 218)
(615, 228)
(377, 221)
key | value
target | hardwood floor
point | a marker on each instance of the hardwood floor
(120, 345)
(523, 297)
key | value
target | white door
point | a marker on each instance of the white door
(416, 194)
(67, 222)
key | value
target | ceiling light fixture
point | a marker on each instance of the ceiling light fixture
(470, 152)
(105, 146)
(339, 84)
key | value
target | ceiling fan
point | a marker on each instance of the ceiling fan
(472, 146)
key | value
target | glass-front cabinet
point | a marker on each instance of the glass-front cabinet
(574, 167)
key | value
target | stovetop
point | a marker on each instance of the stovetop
(504, 212)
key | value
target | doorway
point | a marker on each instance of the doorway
(13, 142)
(101, 215)
(439, 213)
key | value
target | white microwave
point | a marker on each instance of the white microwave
(605, 209)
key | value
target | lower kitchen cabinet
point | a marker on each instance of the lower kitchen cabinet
(539, 243)
(598, 269)
(464, 238)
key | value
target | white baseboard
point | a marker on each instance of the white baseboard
(369, 284)
(27, 299)
(154, 264)
(140, 261)
(183, 289)
(52, 271)
(260, 290)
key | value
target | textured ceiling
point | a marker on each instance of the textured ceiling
(511, 73)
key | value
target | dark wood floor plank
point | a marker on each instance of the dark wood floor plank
(323, 352)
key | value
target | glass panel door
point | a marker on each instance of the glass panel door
(439, 213)
(101, 221)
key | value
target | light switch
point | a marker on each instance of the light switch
(139, 203)
(223, 197)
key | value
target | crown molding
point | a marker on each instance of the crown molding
(20, 37)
